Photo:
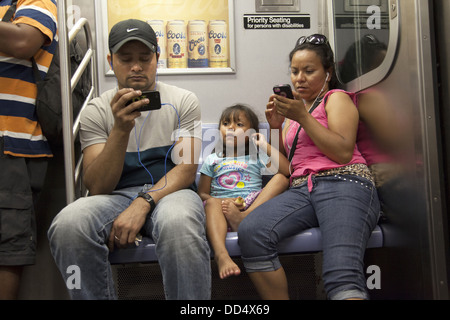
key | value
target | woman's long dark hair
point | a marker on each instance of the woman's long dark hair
(326, 55)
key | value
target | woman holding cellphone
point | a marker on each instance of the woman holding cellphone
(331, 186)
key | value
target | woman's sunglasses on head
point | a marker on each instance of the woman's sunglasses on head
(316, 39)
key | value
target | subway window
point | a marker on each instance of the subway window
(365, 40)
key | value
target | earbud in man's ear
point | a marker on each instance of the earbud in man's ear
(110, 61)
(328, 76)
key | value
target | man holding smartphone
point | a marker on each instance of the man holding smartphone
(134, 187)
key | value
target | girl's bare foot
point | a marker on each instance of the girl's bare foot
(232, 213)
(227, 267)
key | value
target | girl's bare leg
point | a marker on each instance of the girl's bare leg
(216, 230)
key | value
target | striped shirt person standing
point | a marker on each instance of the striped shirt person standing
(24, 151)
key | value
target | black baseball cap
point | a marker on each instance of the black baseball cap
(132, 29)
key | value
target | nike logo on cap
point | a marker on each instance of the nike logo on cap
(134, 29)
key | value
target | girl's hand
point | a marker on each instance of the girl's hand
(260, 141)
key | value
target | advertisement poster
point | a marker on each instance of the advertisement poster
(192, 34)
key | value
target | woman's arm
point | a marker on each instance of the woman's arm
(337, 141)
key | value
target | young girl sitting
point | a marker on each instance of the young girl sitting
(231, 180)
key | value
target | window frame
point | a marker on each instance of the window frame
(382, 71)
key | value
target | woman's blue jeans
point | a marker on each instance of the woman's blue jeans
(79, 235)
(346, 208)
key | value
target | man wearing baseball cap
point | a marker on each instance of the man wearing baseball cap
(136, 185)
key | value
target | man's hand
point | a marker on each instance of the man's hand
(125, 116)
(128, 224)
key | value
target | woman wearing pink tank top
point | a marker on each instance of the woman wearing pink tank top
(331, 185)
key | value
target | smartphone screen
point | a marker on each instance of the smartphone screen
(283, 90)
(153, 96)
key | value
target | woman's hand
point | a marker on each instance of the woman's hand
(289, 108)
(274, 119)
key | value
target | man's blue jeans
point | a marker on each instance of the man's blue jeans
(346, 208)
(79, 236)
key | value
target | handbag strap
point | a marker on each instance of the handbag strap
(294, 144)
(8, 15)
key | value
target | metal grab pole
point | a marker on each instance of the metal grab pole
(66, 100)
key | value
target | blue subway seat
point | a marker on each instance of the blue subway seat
(308, 241)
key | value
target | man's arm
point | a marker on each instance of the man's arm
(181, 176)
(129, 223)
(20, 40)
(103, 163)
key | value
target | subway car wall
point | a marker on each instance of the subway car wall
(442, 29)
(413, 261)
(401, 110)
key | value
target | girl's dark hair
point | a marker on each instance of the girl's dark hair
(326, 55)
(233, 113)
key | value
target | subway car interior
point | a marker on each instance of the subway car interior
(393, 53)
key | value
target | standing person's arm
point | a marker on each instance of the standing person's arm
(20, 40)
(31, 29)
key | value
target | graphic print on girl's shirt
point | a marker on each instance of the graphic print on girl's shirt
(233, 177)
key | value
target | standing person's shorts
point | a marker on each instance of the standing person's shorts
(21, 179)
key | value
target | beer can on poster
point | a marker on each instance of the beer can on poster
(160, 30)
(176, 44)
(218, 44)
(197, 44)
